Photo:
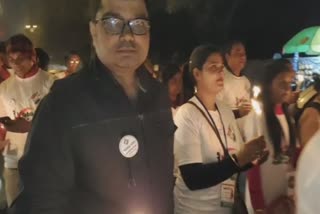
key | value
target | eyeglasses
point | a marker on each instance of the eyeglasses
(74, 62)
(116, 26)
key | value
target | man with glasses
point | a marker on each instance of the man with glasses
(73, 63)
(101, 141)
(20, 95)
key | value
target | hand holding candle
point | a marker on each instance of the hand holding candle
(252, 151)
(258, 131)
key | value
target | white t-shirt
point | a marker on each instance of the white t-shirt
(196, 142)
(20, 98)
(308, 178)
(236, 90)
(272, 186)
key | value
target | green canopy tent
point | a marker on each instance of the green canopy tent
(307, 41)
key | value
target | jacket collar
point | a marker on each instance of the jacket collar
(102, 73)
(105, 85)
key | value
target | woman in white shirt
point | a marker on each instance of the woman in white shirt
(270, 183)
(207, 144)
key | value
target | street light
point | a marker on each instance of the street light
(31, 28)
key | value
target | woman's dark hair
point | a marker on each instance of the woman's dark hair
(43, 59)
(199, 56)
(227, 48)
(317, 85)
(169, 71)
(188, 85)
(69, 55)
(273, 125)
(20, 43)
(2, 48)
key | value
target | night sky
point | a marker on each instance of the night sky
(264, 25)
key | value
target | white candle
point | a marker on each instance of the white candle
(257, 109)
(257, 120)
(300, 80)
(256, 91)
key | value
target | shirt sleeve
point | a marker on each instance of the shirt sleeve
(187, 146)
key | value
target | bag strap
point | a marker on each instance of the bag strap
(315, 105)
(215, 130)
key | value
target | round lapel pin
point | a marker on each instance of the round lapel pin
(129, 146)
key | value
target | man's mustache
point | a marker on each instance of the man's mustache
(127, 45)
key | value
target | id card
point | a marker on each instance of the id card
(228, 191)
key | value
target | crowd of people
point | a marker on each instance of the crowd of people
(113, 139)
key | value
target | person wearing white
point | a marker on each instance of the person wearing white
(308, 178)
(207, 146)
(269, 182)
(237, 88)
(20, 95)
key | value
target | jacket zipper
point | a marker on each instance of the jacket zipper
(146, 156)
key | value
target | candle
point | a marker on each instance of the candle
(257, 120)
(256, 107)
(300, 80)
(256, 91)
(258, 111)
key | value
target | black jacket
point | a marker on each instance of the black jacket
(72, 163)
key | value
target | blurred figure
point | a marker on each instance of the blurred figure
(237, 88)
(208, 147)
(43, 59)
(4, 73)
(308, 178)
(172, 78)
(187, 84)
(270, 186)
(73, 63)
(20, 95)
(309, 121)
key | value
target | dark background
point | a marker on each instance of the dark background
(177, 25)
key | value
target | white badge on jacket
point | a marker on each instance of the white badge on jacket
(129, 146)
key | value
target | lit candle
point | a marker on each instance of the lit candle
(256, 91)
(258, 111)
(300, 80)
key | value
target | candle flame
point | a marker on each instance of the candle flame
(256, 91)
(300, 78)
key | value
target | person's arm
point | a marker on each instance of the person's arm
(200, 176)
(308, 125)
(47, 168)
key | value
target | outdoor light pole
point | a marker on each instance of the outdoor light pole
(31, 28)
(33, 31)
